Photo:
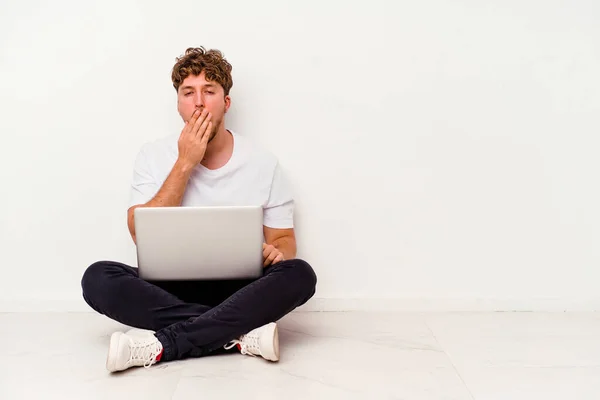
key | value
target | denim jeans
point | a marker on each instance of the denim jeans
(195, 318)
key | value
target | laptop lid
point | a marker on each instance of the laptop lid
(199, 243)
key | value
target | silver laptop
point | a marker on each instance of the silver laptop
(199, 243)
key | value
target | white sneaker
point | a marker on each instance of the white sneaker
(132, 349)
(263, 341)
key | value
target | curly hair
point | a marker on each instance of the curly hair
(196, 60)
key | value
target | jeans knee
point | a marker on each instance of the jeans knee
(305, 277)
(91, 279)
(94, 281)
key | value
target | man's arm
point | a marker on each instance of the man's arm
(191, 146)
(169, 195)
(279, 242)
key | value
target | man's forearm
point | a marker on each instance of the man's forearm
(172, 190)
(169, 195)
(286, 245)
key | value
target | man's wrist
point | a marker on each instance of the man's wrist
(183, 166)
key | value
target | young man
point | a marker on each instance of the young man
(206, 164)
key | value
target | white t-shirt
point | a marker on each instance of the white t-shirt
(252, 176)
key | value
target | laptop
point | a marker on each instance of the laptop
(199, 243)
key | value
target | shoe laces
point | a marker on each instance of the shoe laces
(249, 344)
(144, 351)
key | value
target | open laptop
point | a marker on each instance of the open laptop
(199, 243)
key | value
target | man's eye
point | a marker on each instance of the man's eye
(209, 92)
(187, 94)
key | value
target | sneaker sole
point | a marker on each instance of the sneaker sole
(113, 351)
(272, 335)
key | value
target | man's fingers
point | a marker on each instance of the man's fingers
(269, 254)
(189, 124)
(270, 258)
(207, 132)
(273, 255)
(198, 122)
(203, 127)
(267, 250)
(195, 115)
(266, 262)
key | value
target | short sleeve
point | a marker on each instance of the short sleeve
(143, 185)
(279, 211)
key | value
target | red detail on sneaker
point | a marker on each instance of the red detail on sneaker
(239, 346)
(159, 356)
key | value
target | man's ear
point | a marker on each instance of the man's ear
(227, 102)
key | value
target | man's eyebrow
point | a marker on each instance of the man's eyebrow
(211, 85)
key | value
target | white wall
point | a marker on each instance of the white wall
(443, 154)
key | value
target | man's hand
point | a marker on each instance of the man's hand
(194, 138)
(271, 255)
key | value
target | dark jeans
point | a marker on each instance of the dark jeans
(195, 318)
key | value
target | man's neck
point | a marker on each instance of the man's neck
(218, 150)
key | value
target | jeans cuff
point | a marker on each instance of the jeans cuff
(167, 344)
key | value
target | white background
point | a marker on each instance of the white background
(443, 154)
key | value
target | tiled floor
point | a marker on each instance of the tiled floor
(323, 356)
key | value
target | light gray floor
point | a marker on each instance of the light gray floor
(323, 356)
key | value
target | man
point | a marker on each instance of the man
(206, 164)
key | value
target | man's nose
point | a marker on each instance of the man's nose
(199, 101)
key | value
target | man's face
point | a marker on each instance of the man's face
(195, 92)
